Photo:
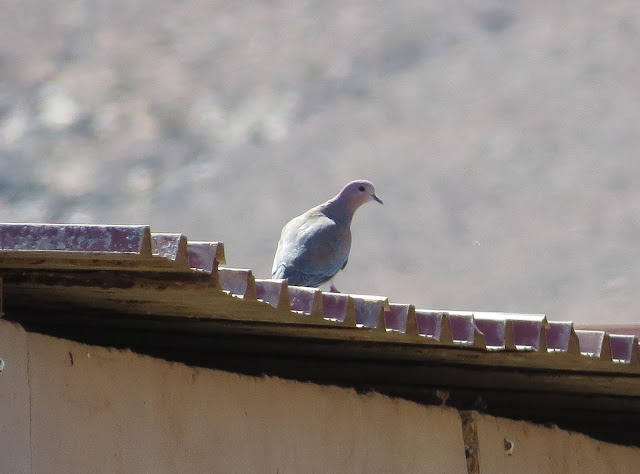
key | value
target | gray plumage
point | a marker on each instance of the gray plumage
(314, 246)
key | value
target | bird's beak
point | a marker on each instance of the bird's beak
(377, 198)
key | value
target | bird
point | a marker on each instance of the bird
(315, 246)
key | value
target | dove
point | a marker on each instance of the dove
(315, 246)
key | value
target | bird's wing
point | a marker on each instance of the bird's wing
(312, 249)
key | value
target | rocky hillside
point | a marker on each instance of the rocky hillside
(502, 136)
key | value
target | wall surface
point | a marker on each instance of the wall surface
(73, 408)
(511, 446)
(99, 410)
(14, 400)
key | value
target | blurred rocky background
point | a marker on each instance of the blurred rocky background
(502, 136)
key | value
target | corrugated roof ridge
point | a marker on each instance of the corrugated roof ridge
(108, 247)
(203, 254)
(63, 247)
(521, 331)
(173, 247)
(114, 239)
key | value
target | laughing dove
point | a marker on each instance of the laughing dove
(314, 246)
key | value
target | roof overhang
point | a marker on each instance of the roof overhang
(159, 294)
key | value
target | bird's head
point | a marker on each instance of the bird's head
(359, 192)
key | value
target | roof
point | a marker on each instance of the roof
(161, 294)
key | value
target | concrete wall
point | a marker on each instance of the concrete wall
(91, 409)
(72, 408)
(513, 446)
(15, 450)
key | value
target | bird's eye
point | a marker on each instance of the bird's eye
(361, 189)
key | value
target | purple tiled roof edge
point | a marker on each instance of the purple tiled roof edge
(80, 247)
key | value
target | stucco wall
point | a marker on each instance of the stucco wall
(72, 408)
(513, 446)
(15, 453)
(115, 411)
